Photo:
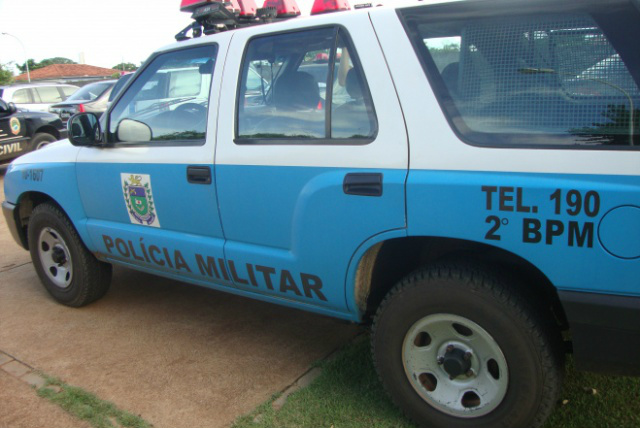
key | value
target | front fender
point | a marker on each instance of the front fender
(48, 174)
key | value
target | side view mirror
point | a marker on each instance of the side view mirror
(133, 131)
(84, 130)
(7, 109)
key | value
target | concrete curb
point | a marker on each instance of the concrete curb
(21, 371)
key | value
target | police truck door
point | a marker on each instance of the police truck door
(157, 207)
(311, 160)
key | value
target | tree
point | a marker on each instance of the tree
(125, 66)
(6, 76)
(23, 67)
(45, 62)
(55, 60)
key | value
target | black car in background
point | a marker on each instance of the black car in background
(91, 98)
(22, 132)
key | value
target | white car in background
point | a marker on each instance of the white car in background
(37, 96)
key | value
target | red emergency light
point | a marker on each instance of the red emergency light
(324, 6)
(191, 5)
(283, 7)
(247, 8)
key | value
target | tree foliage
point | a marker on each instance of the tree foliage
(45, 62)
(125, 66)
(6, 76)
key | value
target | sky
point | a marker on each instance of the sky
(105, 32)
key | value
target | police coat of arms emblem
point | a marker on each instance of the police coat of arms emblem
(138, 198)
(14, 124)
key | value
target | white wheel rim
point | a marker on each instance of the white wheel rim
(55, 257)
(433, 349)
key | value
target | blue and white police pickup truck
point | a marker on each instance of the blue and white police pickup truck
(463, 175)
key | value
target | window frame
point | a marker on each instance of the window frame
(450, 12)
(107, 135)
(339, 30)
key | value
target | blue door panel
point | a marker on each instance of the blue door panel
(180, 206)
(292, 231)
(188, 242)
(165, 252)
(581, 231)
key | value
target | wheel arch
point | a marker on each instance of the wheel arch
(48, 129)
(26, 204)
(386, 263)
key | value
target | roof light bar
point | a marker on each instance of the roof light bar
(213, 16)
(284, 8)
(325, 6)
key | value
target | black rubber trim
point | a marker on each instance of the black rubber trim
(10, 215)
(605, 330)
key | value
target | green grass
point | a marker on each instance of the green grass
(88, 407)
(348, 394)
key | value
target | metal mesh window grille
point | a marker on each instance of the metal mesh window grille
(539, 75)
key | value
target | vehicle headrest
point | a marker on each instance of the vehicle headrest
(296, 91)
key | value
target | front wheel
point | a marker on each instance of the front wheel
(455, 347)
(67, 269)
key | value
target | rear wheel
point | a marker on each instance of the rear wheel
(40, 140)
(68, 271)
(455, 347)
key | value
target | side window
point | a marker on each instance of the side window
(168, 102)
(295, 89)
(49, 94)
(21, 96)
(554, 80)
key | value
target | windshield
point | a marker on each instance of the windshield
(90, 92)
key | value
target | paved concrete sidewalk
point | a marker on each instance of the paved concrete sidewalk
(178, 355)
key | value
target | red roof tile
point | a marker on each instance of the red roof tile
(57, 71)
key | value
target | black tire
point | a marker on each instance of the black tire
(40, 140)
(68, 271)
(529, 341)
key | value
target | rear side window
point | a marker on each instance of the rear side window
(559, 79)
(304, 87)
(49, 94)
(21, 96)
